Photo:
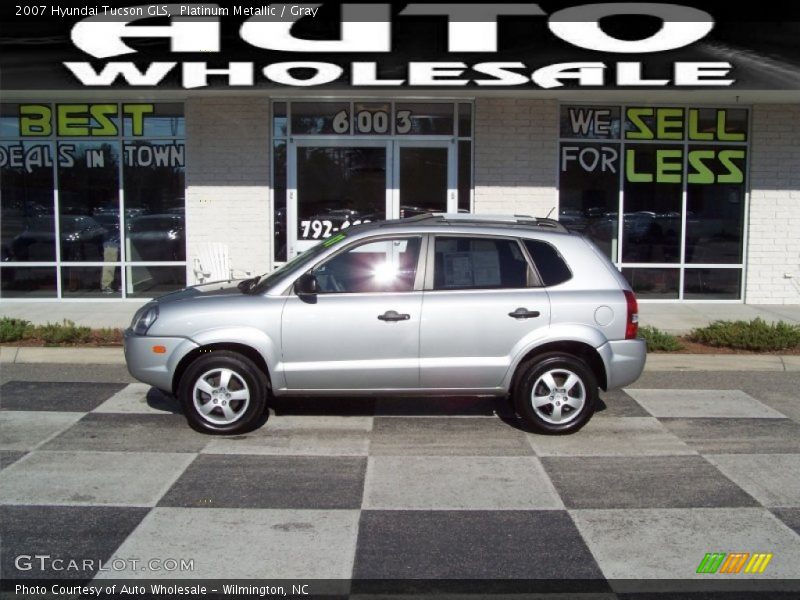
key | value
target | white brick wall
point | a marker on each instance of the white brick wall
(227, 180)
(774, 225)
(516, 148)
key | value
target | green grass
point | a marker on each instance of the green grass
(659, 341)
(756, 335)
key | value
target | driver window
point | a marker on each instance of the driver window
(381, 266)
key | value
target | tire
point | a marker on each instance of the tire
(563, 405)
(210, 406)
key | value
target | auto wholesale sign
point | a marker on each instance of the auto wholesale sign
(521, 45)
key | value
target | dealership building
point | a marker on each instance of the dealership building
(125, 194)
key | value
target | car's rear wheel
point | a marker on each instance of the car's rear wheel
(556, 393)
(223, 392)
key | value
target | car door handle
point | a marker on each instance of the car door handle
(393, 315)
(524, 313)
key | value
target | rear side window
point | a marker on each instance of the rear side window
(479, 263)
(552, 268)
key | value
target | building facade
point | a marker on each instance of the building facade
(693, 200)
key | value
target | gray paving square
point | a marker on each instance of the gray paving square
(790, 516)
(613, 436)
(91, 478)
(773, 479)
(442, 436)
(238, 481)
(642, 482)
(58, 396)
(738, 436)
(617, 403)
(130, 433)
(8, 457)
(459, 483)
(471, 545)
(300, 435)
(703, 403)
(670, 543)
(24, 430)
(140, 398)
(63, 533)
(246, 543)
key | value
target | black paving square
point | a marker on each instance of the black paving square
(790, 516)
(737, 436)
(619, 404)
(471, 545)
(63, 533)
(117, 432)
(443, 436)
(8, 457)
(247, 481)
(643, 482)
(61, 396)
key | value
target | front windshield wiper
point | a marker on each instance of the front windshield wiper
(246, 286)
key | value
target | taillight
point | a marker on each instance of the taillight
(632, 322)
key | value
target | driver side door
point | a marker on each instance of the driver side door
(361, 330)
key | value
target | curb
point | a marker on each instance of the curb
(655, 362)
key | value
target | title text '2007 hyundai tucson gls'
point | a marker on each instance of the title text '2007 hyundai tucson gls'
(432, 305)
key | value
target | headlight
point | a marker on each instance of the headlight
(143, 321)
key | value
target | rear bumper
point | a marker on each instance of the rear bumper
(624, 361)
(152, 368)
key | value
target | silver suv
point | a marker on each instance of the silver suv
(432, 305)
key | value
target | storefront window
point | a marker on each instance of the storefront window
(677, 175)
(107, 180)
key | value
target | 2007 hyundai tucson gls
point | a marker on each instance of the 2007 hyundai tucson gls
(431, 305)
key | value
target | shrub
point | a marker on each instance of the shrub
(13, 330)
(63, 333)
(756, 335)
(107, 336)
(659, 341)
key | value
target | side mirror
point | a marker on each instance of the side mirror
(306, 285)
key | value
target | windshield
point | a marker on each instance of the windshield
(296, 263)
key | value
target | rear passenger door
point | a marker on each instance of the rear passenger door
(481, 298)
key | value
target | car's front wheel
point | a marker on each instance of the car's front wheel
(556, 393)
(223, 392)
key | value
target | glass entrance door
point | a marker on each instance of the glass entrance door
(335, 184)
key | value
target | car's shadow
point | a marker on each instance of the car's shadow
(349, 406)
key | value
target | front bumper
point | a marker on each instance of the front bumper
(624, 361)
(156, 369)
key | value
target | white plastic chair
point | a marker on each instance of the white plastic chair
(213, 264)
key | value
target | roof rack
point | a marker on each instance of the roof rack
(466, 218)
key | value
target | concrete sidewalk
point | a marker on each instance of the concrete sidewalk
(673, 318)
(655, 362)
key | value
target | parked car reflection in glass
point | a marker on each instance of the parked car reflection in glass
(82, 239)
(158, 237)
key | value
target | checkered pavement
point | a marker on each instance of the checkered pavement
(398, 488)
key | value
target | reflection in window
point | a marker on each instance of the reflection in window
(315, 118)
(88, 282)
(653, 197)
(279, 199)
(338, 188)
(88, 176)
(715, 205)
(150, 282)
(712, 284)
(153, 175)
(589, 184)
(423, 180)
(28, 282)
(650, 284)
(26, 194)
(424, 118)
(383, 266)
(550, 264)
